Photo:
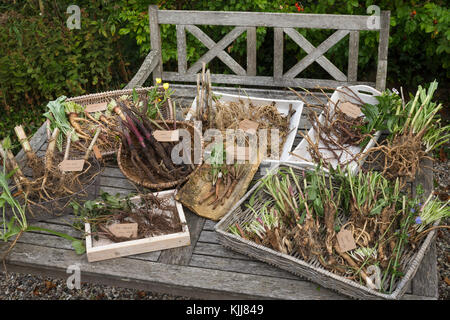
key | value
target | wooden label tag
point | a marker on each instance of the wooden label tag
(248, 126)
(350, 109)
(124, 230)
(166, 135)
(97, 153)
(96, 107)
(345, 240)
(71, 165)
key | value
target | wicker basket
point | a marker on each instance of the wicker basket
(110, 95)
(311, 270)
(159, 185)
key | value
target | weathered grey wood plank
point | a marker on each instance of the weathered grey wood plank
(322, 60)
(215, 51)
(265, 19)
(426, 280)
(217, 250)
(155, 40)
(383, 50)
(181, 48)
(158, 277)
(117, 182)
(264, 80)
(251, 51)
(188, 92)
(209, 237)
(241, 266)
(278, 51)
(209, 225)
(210, 44)
(353, 52)
(182, 255)
(147, 67)
(316, 53)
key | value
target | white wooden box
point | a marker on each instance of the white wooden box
(103, 248)
(367, 95)
(283, 108)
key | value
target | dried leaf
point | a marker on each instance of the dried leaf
(442, 155)
(447, 281)
(49, 285)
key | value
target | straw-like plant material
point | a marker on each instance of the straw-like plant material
(228, 115)
(154, 215)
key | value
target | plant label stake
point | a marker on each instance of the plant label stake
(345, 240)
(350, 109)
(71, 165)
(166, 135)
(249, 126)
(124, 230)
(102, 106)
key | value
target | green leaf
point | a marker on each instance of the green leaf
(78, 246)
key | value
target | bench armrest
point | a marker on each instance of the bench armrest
(147, 67)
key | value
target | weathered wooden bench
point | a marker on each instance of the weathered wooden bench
(205, 269)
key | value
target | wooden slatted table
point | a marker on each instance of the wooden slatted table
(204, 269)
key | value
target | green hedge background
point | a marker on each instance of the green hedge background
(41, 59)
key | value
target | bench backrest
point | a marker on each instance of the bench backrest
(283, 23)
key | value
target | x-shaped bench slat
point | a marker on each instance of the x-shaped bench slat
(316, 54)
(216, 49)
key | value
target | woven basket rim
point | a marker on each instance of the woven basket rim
(413, 265)
(163, 185)
(105, 94)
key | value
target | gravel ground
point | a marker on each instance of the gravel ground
(16, 286)
(442, 178)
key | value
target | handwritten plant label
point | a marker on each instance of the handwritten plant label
(350, 109)
(102, 106)
(167, 135)
(345, 240)
(71, 165)
(124, 230)
(248, 126)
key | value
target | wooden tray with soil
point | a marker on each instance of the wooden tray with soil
(143, 223)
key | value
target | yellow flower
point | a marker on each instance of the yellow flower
(159, 100)
(166, 86)
(158, 80)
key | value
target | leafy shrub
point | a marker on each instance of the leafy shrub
(40, 58)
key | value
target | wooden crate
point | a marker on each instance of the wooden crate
(103, 249)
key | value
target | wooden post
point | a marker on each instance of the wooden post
(278, 39)
(383, 50)
(181, 49)
(155, 39)
(353, 52)
(251, 51)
